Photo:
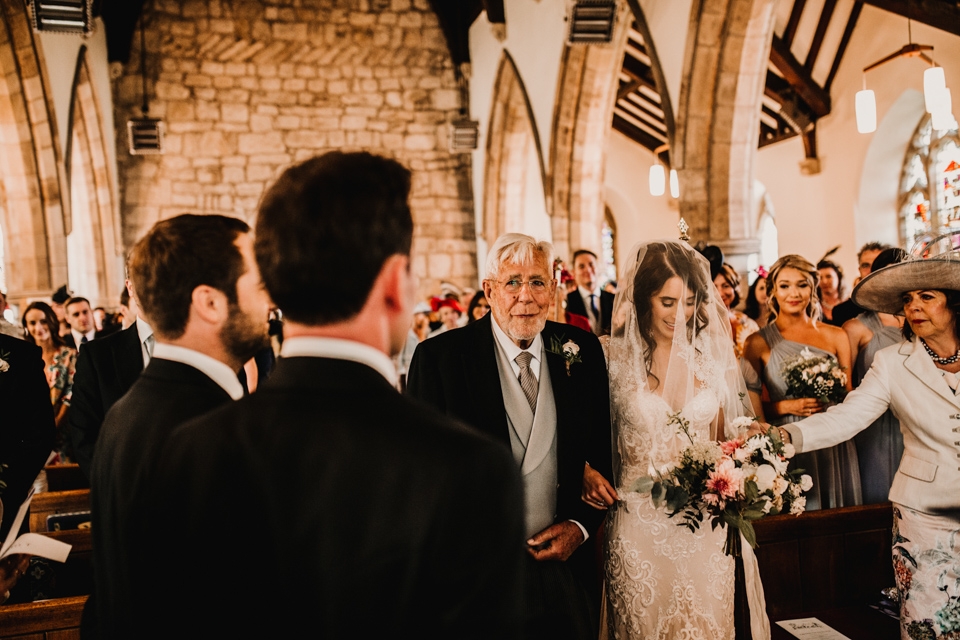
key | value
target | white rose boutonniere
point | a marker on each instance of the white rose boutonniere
(569, 351)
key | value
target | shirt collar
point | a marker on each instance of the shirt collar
(510, 347)
(217, 371)
(340, 349)
(77, 336)
(144, 330)
(586, 293)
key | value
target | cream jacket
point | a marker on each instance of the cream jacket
(905, 379)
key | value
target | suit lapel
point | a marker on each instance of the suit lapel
(919, 364)
(128, 359)
(559, 379)
(482, 375)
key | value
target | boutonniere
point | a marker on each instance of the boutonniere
(4, 365)
(569, 350)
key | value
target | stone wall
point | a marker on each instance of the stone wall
(247, 87)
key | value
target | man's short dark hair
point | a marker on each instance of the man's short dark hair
(872, 246)
(325, 229)
(75, 300)
(178, 255)
(581, 252)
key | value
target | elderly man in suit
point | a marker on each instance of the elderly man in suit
(27, 429)
(540, 388)
(197, 281)
(589, 300)
(326, 500)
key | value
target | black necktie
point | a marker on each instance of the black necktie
(83, 340)
(593, 305)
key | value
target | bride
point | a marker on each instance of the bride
(669, 351)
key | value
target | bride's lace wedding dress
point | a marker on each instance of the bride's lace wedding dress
(663, 582)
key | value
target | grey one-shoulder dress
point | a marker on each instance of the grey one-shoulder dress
(835, 470)
(879, 446)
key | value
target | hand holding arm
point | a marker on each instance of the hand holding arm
(597, 491)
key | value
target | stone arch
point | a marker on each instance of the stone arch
(717, 120)
(96, 246)
(33, 211)
(513, 151)
(586, 93)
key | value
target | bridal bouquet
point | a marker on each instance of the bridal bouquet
(811, 376)
(730, 483)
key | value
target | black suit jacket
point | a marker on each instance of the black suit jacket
(106, 369)
(27, 429)
(575, 305)
(327, 501)
(457, 373)
(165, 396)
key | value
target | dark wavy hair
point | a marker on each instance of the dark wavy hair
(752, 306)
(733, 279)
(953, 304)
(49, 319)
(474, 303)
(659, 265)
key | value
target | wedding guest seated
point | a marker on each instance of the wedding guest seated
(449, 312)
(831, 286)
(40, 324)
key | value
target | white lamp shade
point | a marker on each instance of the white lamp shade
(658, 180)
(933, 84)
(942, 115)
(674, 184)
(866, 105)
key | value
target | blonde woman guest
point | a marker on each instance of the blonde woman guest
(795, 326)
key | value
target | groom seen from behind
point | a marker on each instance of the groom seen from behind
(541, 389)
(326, 500)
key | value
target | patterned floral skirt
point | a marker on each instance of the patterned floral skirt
(926, 562)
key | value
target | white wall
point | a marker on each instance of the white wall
(668, 22)
(639, 216)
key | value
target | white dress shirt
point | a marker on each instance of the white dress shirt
(144, 331)
(217, 371)
(585, 294)
(339, 349)
(78, 337)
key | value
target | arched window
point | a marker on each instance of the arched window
(609, 239)
(930, 183)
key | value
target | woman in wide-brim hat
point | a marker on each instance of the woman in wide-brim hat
(919, 380)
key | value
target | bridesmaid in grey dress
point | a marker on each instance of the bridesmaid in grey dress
(879, 446)
(835, 470)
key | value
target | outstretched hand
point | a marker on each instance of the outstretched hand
(597, 491)
(556, 542)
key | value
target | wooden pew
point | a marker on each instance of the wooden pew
(830, 564)
(50, 503)
(57, 619)
(65, 477)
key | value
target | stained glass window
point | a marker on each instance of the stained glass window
(930, 184)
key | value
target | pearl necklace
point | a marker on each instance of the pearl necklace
(940, 360)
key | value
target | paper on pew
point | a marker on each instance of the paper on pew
(32, 544)
(811, 629)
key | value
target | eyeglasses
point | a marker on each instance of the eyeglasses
(514, 285)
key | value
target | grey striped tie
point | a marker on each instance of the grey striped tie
(528, 381)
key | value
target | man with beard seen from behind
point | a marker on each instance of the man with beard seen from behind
(198, 283)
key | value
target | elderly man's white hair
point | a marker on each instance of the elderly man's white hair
(518, 248)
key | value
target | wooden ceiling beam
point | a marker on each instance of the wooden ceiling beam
(935, 13)
(825, 16)
(844, 41)
(799, 78)
(791, 29)
(639, 72)
(635, 133)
